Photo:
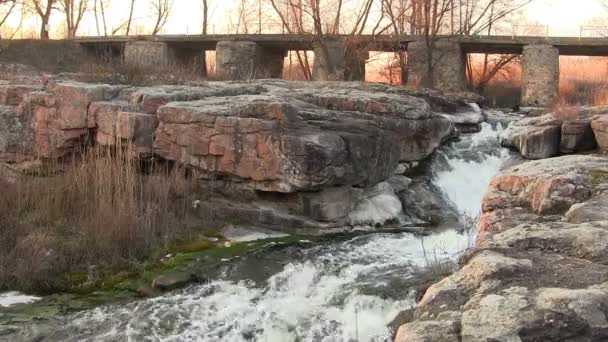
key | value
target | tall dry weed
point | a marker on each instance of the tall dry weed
(105, 211)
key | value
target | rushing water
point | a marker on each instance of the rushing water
(339, 291)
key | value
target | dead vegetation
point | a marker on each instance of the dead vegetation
(105, 212)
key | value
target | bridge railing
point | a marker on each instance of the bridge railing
(594, 32)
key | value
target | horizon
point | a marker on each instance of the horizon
(559, 16)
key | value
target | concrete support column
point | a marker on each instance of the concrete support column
(147, 53)
(443, 67)
(540, 76)
(238, 60)
(335, 61)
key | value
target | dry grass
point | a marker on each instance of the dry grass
(142, 74)
(105, 212)
(583, 81)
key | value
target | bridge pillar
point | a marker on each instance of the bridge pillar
(334, 61)
(540, 76)
(447, 68)
(238, 60)
(162, 54)
(147, 53)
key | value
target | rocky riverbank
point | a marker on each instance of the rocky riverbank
(539, 269)
(292, 154)
(100, 178)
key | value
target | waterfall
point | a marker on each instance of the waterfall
(468, 167)
(335, 291)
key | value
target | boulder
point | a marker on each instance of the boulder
(426, 202)
(545, 187)
(376, 206)
(327, 205)
(534, 138)
(172, 280)
(287, 141)
(539, 268)
(599, 124)
(577, 136)
(590, 211)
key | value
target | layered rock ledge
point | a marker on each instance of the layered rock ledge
(291, 154)
(539, 270)
(569, 131)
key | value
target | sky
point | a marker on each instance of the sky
(563, 17)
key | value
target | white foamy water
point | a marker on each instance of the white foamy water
(339, 291)
(471, 164)
(9, 299)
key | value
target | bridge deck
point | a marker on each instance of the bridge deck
(573, 46)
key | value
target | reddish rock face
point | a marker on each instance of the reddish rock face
(13, 95)
(60, 115)
(288, 141)
(544, 187)
(270, 136)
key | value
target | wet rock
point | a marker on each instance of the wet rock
(467, 119)
(147, 291)
(331, 204)
(534, 138)
(173, 280)
(399, 183)
(376, 206)
(539, 268)
(426, 202)
(503, 117)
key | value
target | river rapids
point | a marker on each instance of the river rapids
(345, 290)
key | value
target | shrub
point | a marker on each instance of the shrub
(104, 212)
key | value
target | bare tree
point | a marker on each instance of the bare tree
(12, 4)
(320, 18)
(74, 11)
(130, 19)
(161, 10)
(433, 20)
(205, 28)
(205, 23)
(44, 9)
(100, 6)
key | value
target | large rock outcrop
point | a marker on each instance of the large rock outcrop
(539, 269)
(571, 131)
(322, 146)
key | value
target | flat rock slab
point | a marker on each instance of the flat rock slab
(539, 270)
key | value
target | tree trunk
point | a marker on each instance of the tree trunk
(204, 70)
(130, 17)
(44, 34)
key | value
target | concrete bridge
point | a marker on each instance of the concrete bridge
(343, 57)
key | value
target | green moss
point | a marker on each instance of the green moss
(194, 246)
(599, 176)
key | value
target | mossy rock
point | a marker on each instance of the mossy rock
(599, 176)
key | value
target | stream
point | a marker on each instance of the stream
(343, 290)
